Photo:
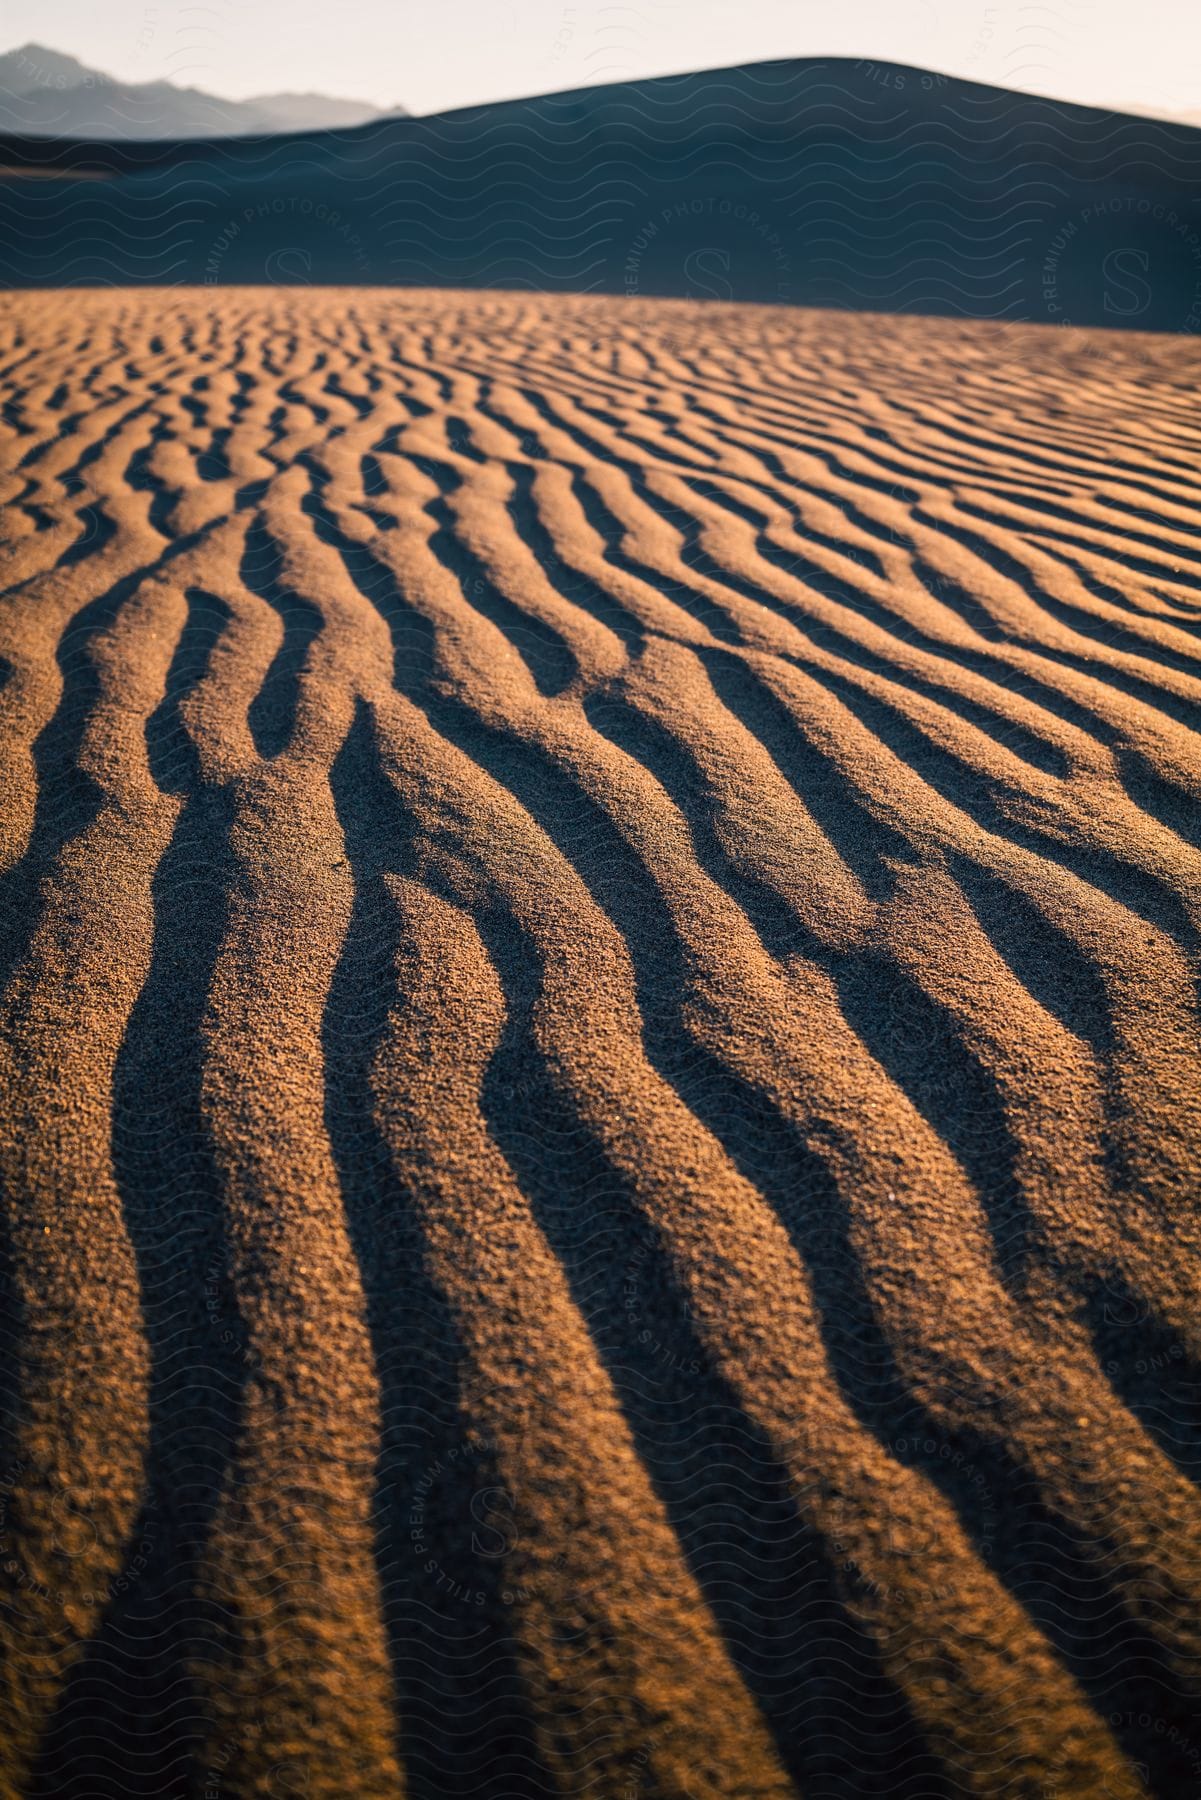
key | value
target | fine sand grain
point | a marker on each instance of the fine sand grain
(601, 1094)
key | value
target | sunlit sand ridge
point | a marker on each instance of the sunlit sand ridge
(599, 1065)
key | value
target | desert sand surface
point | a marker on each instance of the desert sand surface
(599, 1072)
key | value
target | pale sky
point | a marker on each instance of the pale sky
(1140, 53)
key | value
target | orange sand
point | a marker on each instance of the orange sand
(601, 1095)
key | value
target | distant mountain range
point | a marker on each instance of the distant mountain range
(826, 182)
(44, 93)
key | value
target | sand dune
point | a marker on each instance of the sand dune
(601, 1098)
(822, 181)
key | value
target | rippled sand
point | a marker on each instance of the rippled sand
(599, 1066)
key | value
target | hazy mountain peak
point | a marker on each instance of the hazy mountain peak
(46, 93)
(34, 66)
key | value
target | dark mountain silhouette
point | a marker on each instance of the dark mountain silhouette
(44, 93)
(832, 183)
